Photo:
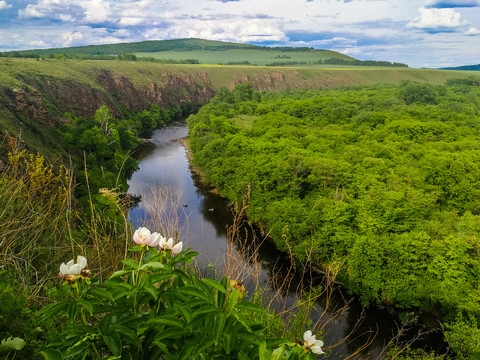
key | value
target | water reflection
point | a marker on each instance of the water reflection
(204, 217)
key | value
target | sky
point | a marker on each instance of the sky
(420, 33)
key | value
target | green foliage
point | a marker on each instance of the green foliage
(386, 177)
(153, 308)
(463, 335)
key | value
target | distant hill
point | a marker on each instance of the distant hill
(464, 67)
(198, 51)
(162, 45)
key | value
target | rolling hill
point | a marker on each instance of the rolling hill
(198, 51)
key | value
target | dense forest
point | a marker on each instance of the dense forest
(384, 179)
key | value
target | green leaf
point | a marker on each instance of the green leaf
(203, 346)
(218, 328)
(278, 353)
(227, 343)
(72, 310)
(184, 310)
(169, 321)
(51, 354)
(171, 333)
(102, 294)
(130, 263)
(214, 284)
(113, 341)
(119, 273)
(247, 305)
(12, 344)
(187, 350)
(129, 334)
(152, 290)
(207, 309)
(206, 290)
(160, 277)
(263, 353)
(136, 248)
(154, 265)
(232, 300)
(193, 291)
(86, 305)
(53, 309)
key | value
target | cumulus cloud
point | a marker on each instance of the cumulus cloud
(30, 12)
(437, 20)
(38, 43)
(49, 9)
(443, 4)
(96, 11)
(68, 38)
(473, 32)
(4, 5)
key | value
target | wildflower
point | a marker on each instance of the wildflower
(71, 268)
(311, 343)
(165, 244)
(238, 285)
(143, 236)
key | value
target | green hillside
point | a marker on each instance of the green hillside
(160, 45)
(197, 51)
(248, 56)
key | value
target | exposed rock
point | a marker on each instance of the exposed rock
(29, 103)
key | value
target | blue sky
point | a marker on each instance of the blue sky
(421, 33)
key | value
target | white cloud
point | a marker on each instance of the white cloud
(4, 5)
(38, 43)
(55, 9)
(437, 19)
(96, 11)
(68, 38)
(30, 12)
(131, 21)
(473, 31)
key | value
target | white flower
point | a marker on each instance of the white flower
(73, 269)
(311, 343)
(143, 236)
(165, 244)
(154, 239)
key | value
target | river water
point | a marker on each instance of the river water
(172, 194)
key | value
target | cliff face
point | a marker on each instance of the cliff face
(35, 95)
(45, 99)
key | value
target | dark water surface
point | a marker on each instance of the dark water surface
(204, 216)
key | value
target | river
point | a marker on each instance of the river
(173, 198)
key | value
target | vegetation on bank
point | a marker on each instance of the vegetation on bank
(383, 178)
(154, 305)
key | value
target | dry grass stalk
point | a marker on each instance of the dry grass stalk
(163, 206)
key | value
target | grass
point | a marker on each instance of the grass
(254, 57)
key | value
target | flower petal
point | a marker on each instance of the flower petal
(82, 261)
(177, 248)
(316, 349)
(64, 269)
(75, 269)
(308, 337)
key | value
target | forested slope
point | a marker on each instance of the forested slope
(383, 178)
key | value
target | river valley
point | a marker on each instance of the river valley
(174, 195)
